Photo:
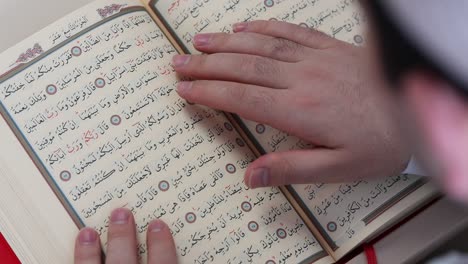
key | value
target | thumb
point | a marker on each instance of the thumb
(298, 167)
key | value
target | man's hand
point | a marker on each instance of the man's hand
(122, 243)
(307, 84)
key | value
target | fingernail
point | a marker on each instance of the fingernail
(238, 27)
(184, 87)
(156, 226)
(180, 60)
(120, 216)
(202, 39)
(87, 236)
(259, 178)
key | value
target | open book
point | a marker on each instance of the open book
(92, 122)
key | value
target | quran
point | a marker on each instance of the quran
(91, 122)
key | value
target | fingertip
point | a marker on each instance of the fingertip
(183, 88)
(178, 61)
(157, 227)
(161, 247)
(159, 232)
(258, 174)
(121, 237)
(87, 247)
(202, 40)
(87, 236)
(258, 177)
(121, 216)
(239, 27)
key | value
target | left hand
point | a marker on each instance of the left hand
(303, 82)
(122, 242)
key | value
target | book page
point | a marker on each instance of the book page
(345, 214)
(349, 213)
(92, 100)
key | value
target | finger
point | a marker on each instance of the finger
(87, 247)
(252, 102)
(161, 247)
(299, 167)
(252, 43)
(121, 238)
(242, 68)
(441, 114)
(304, 36)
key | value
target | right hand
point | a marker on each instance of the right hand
(307, 84)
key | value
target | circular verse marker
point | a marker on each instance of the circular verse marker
(228, 126)
(190, 218)
(65, 175)
(246, 206)
(115, 120)
(230, 168)
(260, 128)
(269, 3)
(304, 25)
(331, 226)
(240, 142)
(76, 51)
(253, 226)
(100, 83)
(270, 261)
(163, 186)
(51, 89)
(358, 39)
(273, 19)
(281, 233)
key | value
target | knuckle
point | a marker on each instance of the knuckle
(280, 46)
(262, 102)
(223, 39)
(238, 93)
(263, 67)
(119, 234)
(202, 63)
(84, 255)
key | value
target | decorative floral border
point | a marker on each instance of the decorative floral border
(109, 10)
(31, 53)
